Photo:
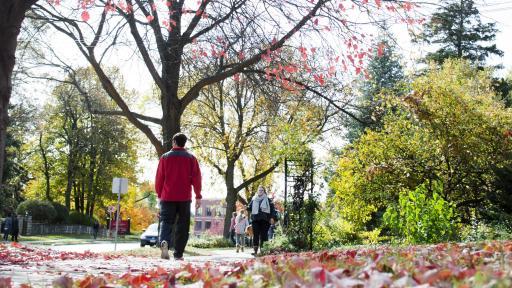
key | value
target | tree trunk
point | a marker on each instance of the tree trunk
(171, 104)
(69, 185)
(12, 13)
(75, 195)
(46, 167)
(231, 197)
(90, 180)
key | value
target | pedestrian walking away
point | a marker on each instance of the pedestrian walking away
(241, 223)
(95, 228)
(262, 214)
(15, 227)
(178, 171)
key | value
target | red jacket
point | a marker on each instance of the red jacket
(177, 172)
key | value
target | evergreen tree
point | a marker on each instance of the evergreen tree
(457, 27)
(385, 73)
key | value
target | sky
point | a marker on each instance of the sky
(498, 11)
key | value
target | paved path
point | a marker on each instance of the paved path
(98, 247)
(42, 274)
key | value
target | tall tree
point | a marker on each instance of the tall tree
(385, 73)
(456, 26)
(206, 42)
(237, 124)
(12, 14)
(86, 150)
(172, 27)
(16, 171)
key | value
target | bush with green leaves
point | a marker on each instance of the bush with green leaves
(41, 211)
(422, 216)
(78, 218)
(210, 241)
(62, 213)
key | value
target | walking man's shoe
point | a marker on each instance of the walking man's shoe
(164, 247)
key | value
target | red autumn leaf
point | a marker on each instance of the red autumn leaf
(320, 79)
(85, 16)
(379, 3)
(380, 49)
(241, 55)
(5, 282)
(315, 22)
(319, 275)
(236, 77)
(150, 18)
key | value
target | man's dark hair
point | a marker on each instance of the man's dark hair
(180, 139)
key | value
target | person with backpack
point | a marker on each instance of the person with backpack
(263, 214)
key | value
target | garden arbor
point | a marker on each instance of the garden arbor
(299, 201)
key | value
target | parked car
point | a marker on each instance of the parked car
(149, 236)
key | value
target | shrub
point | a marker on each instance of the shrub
(62, 213)
(483, 230)
(209, 241)
(420, 218)
(39, 210)
(78, 218)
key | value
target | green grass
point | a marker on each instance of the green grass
(72, 238)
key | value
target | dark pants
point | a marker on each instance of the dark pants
(260, 230)
(6, 235)
(14, 237)
(171, 213)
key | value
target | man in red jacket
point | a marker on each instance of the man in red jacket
(177, 172)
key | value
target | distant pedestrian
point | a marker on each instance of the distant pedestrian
(232, 228)
(95, 229)
(262, 211)
(5, 228)
(241, 223)
(15, 227)
(178, 171)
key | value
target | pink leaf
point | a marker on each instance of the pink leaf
(85, 16)
(150, 18)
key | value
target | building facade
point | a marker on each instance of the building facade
(209, 218)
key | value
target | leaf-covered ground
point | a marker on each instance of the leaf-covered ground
(444, 265)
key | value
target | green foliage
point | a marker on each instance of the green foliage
(481, 231)
(279, 244)
(75, 217)
(331, 230)
(385, 74)
(16, 169)
(300, 220)
(457, 27)
(209, 241)
(79, 152)
(451, 128)
(62, 213)
(422, 216)
(41, 211)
